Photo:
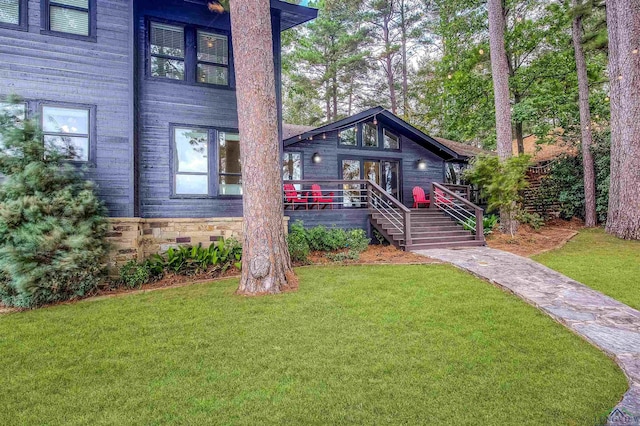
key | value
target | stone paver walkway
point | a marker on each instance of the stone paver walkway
(608, 324)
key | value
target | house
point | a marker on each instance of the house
(142, 92)
(374, 145)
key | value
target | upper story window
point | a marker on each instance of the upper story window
(370, 135)
(183, 52)
(213, 58)
(13, 14)
(75, 18)
(391, 141)
(167, 51)
(68, 129)
(348, 136)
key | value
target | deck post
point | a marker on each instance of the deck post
(479, 225)
(369, 195)
(407, 229)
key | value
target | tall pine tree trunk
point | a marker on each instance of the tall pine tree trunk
(624, 43)
(405, 79)
(585, 122)
(500, 75)
(389, 63)
(266, 265)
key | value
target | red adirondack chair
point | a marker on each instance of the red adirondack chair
(319, 199)
(293, 198)
(443, 198)
(420, 198)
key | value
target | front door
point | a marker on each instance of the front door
(385, 173)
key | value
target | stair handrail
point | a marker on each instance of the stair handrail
(390, 199)
(477, 210)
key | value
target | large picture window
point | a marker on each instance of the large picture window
(167, 51)
(70, 17)
(68, 130)
(13, 13)
(230, 174)
(191, 158)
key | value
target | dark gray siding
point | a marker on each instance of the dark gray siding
(410, 153)
(162, 103)
(340, 218)
(44, 67)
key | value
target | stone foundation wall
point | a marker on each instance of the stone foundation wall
(137, 238)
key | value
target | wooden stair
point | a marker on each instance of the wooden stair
(430, 228)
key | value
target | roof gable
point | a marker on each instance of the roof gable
(390, 120)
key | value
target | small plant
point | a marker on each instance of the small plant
(134, 275)
(488, 223)
(379, 237)
(357, 241)
(534, 220)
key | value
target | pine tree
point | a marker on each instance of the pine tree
(52, 225)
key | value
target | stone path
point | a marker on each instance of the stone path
(608, 324)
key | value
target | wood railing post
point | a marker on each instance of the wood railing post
(407, 229)
(479, 225)
(369, 202)
(432, 196)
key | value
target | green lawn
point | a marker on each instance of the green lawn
(601, 261)
(356, 345)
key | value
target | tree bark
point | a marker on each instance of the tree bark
(266, 265)
(624, 38)
(389, 62)
(405, 79)
(519, 137)
(500, 75)
(585, 122)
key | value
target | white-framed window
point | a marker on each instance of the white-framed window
(15, 112)
(67, 129)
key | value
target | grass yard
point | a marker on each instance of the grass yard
(356, 345)
(601, 261)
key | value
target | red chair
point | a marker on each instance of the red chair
(320, 199)
(292, 198)
(420, 198)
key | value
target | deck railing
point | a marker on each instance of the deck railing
(459, 208)
(396, 213)
(334, 194)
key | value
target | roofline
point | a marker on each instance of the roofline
(306, 13)
(368, 113)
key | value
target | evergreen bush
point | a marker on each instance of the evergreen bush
(52, 225)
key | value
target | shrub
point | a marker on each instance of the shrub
(298, 245)
(357, 241)
(319, 238)
(500, 182)
(52, 225)
(134, 275)
(534, 220)
(565, 182)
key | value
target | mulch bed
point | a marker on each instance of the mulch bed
(529, 242)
